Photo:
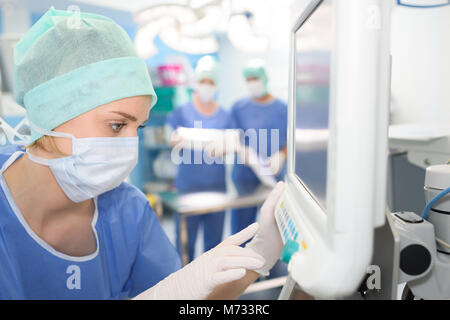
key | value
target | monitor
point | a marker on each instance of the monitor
(312, 101)
(337, 143)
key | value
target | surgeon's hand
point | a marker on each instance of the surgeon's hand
(267, 241)
(227, 144)
(276, 162)
(224, 263)
(175, 138)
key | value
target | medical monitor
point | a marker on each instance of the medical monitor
(337, 143)
(312, 101)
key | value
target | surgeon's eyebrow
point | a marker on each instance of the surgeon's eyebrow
(126, 115)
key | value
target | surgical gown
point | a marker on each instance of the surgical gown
(269, 120)
(133, 252)
(200, 177)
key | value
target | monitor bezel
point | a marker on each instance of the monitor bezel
(318, 218)
(340, 241)
(309, 11)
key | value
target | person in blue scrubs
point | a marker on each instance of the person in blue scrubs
(194, 173)
(265, 115)
(129, 254)
(70, 228)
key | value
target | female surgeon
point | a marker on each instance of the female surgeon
(195, 172)
(69, 227)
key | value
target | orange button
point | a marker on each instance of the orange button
(303, 244)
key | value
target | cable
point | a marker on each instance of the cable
(438, 197)
(443, 243)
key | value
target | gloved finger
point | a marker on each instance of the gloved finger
(276, 162)
(209, 149)
(249, 263)
(241, 236)
(175, 136)
(227, 276)
(273, 197)
(237, 251)
(214, 149)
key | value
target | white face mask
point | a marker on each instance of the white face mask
(96, 165)
(206, 92)
(257, 88)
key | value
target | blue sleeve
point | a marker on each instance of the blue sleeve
(156, 258)
(174, 119)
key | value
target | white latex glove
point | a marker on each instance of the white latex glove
(228, 143)
(224, 263)
(260, 167)
(194, 138)
(174, 137)
(267, 241)
(276, 162)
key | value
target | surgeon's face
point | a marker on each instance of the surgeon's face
(207, 81)
(256, 87)
(249, 79)
(120, 118)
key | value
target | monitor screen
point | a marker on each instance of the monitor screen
(312, 89)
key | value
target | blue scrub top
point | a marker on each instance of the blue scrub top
(133, 252)
(248, 114)
(193, 177)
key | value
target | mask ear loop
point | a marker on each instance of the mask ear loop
(48, 133)
(12, 133)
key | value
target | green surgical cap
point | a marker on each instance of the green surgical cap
(207, 68)
(69, 63)
(255, 69)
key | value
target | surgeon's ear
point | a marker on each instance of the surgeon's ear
(46, 144)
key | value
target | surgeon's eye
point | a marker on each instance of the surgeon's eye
(117, 126)
(142, 126)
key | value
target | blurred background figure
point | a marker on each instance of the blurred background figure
(194, 173)
(266, 116)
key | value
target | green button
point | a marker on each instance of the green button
(289, 249)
